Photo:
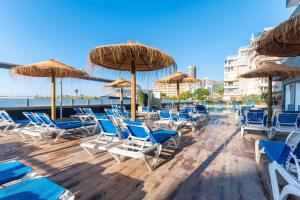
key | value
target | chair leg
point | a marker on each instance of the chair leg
(88, 151)
(242, 131)
(158, 151)
(59, 135)
(271, 133)
(257, 152)
(274, 181)
(289, 189)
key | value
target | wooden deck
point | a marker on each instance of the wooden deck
(214, 163)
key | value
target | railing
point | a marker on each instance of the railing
(44, 102)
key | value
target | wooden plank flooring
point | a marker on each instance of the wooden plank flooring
(214, 163)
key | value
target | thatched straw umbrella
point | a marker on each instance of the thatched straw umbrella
(282, 41)
(119, 83)
(50, 68)
(177, 78)
(130, 57)
(270, 70)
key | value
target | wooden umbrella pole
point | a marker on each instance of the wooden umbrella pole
(121, 96)
(53, 108)
(178, 94)
(269, 100)
(133, 90)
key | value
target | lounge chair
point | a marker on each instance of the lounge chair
(273, 148)
(201, 110)
(63, 127)
(167, 119)
(255, 120)
(14, 170)
(37, 188)
(142, 140)
(188, 121)
(80, 114)
(285, 161)
(12, 123)
(240, 114)
(150, 111)
(110, 135)
(110, 112)
(285, 122)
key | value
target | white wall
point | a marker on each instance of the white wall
(297, 97)
(287, 96)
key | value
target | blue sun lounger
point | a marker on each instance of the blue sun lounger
(39, 188)
(255, 120)
(284, 157)
(12, 122)
(14, 170)
(63, 127)
(110, 135)
(286, 122)
(142, 140)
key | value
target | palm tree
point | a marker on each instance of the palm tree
(76, 91)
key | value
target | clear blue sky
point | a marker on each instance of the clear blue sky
(198, 32)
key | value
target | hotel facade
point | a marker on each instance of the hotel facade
(170, 89)
(245, 60)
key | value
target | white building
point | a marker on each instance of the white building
(192, 71)
(243, 61)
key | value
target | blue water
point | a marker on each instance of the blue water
(40, 102)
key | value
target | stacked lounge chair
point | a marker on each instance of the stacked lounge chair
(142, 140)
(110, 135)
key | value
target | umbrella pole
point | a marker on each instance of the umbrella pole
(60, 100)
(121, 96)
(133, 90)
(53, 110)
(178, 99)
(269, 100)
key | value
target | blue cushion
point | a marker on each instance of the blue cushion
(107, 126)
(162, 131)
(76, 125)
(287, 118)
(22, 121)
(10, 171)
(33, 189)
(275, 150)
(160, 137)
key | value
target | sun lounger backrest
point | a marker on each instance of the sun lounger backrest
(78, 110)
(46, 119)
(255, 116)
(32, 118)
(6, 116)
(88, 111)
(107, 126)
(287, 119)
(109, 112)
(165, 114)
(200, 108)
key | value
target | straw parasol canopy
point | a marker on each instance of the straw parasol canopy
(270, 70)
(282, 41)
(119, 83)
(131, 57)
(173, 78)
(177, 78)
(273, 70)
(50, 68)
(191, 79)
